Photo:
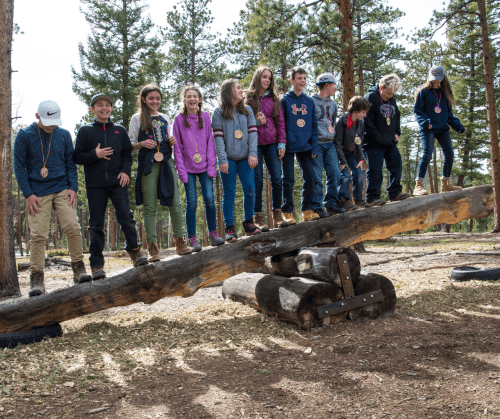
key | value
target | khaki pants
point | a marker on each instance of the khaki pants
(40, 223)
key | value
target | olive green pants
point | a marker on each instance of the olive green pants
(149, 187)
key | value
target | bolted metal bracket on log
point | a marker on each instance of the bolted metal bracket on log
(350, 301)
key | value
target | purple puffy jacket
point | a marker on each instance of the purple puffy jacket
(273, 131)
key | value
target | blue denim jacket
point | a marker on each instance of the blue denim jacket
(28, 161)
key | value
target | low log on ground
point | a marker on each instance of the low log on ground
(294, 300)
(24, 266)
(183, 276)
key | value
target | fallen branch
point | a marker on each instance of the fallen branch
(416, 255)
(478, 253)
(448, 266)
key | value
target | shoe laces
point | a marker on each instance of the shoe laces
(230, 231)
(193, 241)
(213, 235)
(250, 225)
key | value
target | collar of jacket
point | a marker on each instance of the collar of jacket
(108, 124)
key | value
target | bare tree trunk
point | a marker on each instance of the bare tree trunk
(205, 236)
(9, 284)
(218, 206)
(19, 223)
(347, 69)
(431, 182)
(492, 116)
(435, 168)
(269, 203)
(82, 226)
(56, 235)
(112, 229)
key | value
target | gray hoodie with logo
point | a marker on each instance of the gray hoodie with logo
(326, 113)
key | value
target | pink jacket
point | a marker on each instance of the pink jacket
(273, 131)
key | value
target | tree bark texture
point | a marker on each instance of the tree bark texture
(183, 276)
(347, 68)
(491, 109)
(9, 284)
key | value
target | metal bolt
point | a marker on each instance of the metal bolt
(345, 261)
(364, 299)
(326, 311)
(371, 295)
(341, 304)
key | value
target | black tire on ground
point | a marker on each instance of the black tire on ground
(371, 282)
(11, 340)
(466, 273)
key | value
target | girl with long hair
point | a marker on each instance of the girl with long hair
(235, 134)
(262, 96)
(434, 114)
(156, 174)
(195, 157)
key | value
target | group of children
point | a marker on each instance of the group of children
(248, 128)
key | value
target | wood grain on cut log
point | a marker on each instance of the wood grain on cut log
(183, 276)
(294, 300)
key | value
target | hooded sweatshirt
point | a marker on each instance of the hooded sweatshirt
(300, 138)
(326, 113)
(345, 139)
(378, 133)
(427, 100)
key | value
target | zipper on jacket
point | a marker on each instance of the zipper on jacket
(105, 160)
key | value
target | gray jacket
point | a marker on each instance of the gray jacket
(325, 108)
(227, 145)
(345, 139)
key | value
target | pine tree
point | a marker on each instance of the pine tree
(121, 54)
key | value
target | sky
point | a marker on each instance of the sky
(42, 57)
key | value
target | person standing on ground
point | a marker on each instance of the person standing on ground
(48, 179)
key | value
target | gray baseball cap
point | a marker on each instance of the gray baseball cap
(436, 73)
(49, 113)
(100, 96)
(325, 78)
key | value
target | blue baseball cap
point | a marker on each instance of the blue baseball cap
(436, 73)
(325, 78)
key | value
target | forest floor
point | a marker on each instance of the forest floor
(205, 357)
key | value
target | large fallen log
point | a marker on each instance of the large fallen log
(183, 276)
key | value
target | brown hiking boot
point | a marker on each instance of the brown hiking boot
(346, 204)
(154, 252)
(137, 258)
(289, 218)
(36, 284)
(419, 188)
(180, 246)
(79, 272)
(310, 215)
(260, 222)
(447, 186)
(278, 219)
(98, 272)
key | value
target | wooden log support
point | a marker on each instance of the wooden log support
(183, 276)
(24, 266)
(293, 300)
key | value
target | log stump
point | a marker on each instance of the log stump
(294, 300)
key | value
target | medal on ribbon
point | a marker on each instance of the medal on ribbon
(331, 130)
(158, 156)
(357, 140)
(437, 109)
(387, 110)
(45, 172)
(301, 122)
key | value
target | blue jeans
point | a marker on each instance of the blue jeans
(357, 178)
(375, 158)
(269, 152)
(98, 200)
(444, 140)
(247, 179)
(207, 191)
(327, 157)
(310, 180)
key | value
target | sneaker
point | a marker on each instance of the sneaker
(180, 246)
(400, 197)
(154, 252)
(97, 272)
(360, 203)
(231, 235)
(193, 244)
(289, 218)
(36, 284)
(260, 223)
(322, 213)
(214, 239)
(309, 215)
(375, 202)
(346, 204)
(79, 273)
(335, 210)
(137, 258)
(250, 228)
(278, 219)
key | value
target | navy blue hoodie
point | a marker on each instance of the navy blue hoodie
(425, 113)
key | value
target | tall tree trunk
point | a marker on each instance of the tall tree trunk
(435, 168)
(269, 201)
(492, 116)
(218, 206)
(56, 231)
(9, 284)
(359, 35)
(347, 68)
(112, 229)
(19, 223)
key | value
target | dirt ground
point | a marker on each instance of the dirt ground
(205, 357)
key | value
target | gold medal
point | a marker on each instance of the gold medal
(197, 158)
(301, 122)
(437, 109)
(357, 140)
(44, 172)
(331, 130)
(238, 134)
(388, 121)
(158, 156)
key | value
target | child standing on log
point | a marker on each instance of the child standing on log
(156, 174)
(195, 157)
(235, 134)
(302, 143)
(383, 129)
(349, 134)
(434, 114)
(262, 96)
(107, 175)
